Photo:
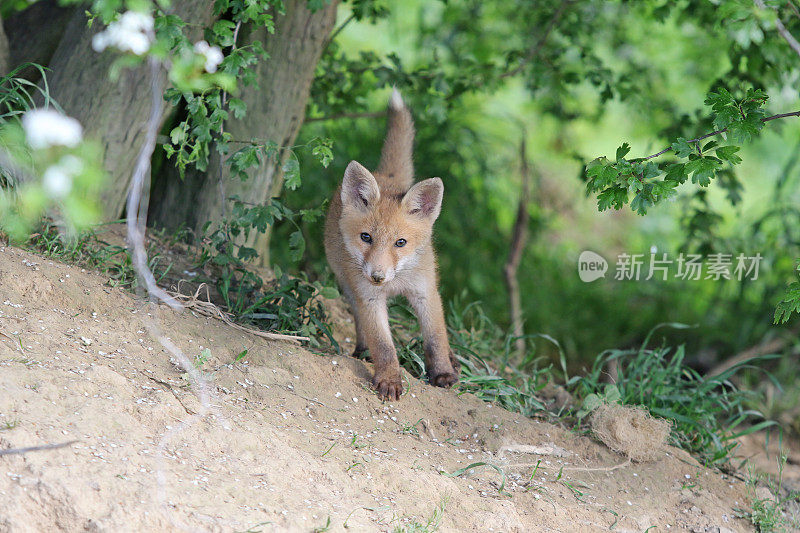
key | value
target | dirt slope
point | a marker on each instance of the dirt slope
(291, 439)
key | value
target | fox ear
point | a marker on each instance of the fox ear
(359, 188)
(424, 199)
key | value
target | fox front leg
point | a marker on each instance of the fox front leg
(361, 343)
(373, 322)
(441, 364)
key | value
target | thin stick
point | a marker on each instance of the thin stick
(535, 49)
(15, 451)
(519, 239)
(707, 135)
(788, 37)
(571, 468)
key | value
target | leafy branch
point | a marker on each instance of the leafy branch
(650, 182)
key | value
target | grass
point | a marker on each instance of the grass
(485, 353)
(433, 523)
(323, 529)
(769, 513)
(89, 250)
(707, 413)
(18, 95)
(501, 489)
(285, 304)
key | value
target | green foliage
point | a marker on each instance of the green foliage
(26, 194)
(207, 110)
(18, 94)
(768, 514)
(288, 304)
(649, 182)
(89, 250)
(431, 525)
(790, 304)
(707, 412)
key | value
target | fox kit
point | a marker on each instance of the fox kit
(378, 243)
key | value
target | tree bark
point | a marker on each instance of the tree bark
(113, 112)
(34, 34)
(275, 111)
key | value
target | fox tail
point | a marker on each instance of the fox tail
(396, 156)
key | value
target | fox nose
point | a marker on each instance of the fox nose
(378, 277)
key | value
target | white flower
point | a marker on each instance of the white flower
(57, 179)
(46, 127)
(131, 32)
(212, 54)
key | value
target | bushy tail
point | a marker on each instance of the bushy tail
(396, 156)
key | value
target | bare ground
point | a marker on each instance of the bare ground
(291, 438)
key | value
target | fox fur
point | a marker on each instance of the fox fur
(378, 243)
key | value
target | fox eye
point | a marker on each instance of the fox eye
(366, 237)
(400, 243)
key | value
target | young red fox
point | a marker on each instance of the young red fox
(378, 243)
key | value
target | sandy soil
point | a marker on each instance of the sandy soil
(291, 438)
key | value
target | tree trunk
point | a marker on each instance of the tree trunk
(113, 112)
(275, 111)
(34, 34)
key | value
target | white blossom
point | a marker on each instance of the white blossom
(57, 179)
(131, 32)
(212, 54)
(46, 127)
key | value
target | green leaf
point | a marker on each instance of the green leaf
(615, 197)
(223, 31)
(291, 173)
(297, 246)
(329, 293)
(177, 135)
(677, 173)
(322, 150)
(789, 305)
(650, 170)
(623, 150)
(611, 394)
(709, 146)
(703, 169)
(682, 148)
(641, 202)
(237, 107)
(728, 153)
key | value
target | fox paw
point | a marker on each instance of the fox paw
(445, 379)
(388, 388)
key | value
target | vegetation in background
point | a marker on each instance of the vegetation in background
(478, 79)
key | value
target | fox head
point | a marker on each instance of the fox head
(386, 234)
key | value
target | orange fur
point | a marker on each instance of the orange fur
(386, 206)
